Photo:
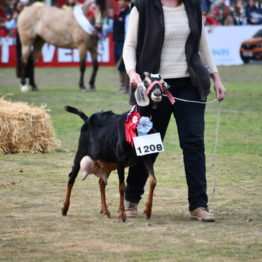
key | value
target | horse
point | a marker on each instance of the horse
(38, 24)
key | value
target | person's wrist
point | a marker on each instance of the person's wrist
(130, 72)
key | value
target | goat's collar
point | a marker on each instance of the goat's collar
(164, 91)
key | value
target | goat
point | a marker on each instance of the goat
(103, 145)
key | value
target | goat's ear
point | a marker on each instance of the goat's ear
(140, 94)
(166, 85)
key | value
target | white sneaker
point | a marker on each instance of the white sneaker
(131, 209)
(202, 214)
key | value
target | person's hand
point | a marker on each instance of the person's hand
(134, 78)
(219, 87)
(220, 91)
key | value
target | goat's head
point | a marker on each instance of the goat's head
(151, 90)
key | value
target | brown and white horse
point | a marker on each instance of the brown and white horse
(39, 24)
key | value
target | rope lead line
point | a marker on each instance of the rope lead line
(193, 101)
(215, 150)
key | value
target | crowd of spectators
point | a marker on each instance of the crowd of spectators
(9, 14)
(232, 12)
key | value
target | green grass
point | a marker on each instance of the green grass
(32, 186)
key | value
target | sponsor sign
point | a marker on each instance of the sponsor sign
(225, 41)
(52, 56)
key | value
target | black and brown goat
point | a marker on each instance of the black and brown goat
(103, 146)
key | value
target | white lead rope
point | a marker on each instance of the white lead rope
(193, 101)
(215, 151)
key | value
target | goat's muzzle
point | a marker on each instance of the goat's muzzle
(163, 91)
(156, 95)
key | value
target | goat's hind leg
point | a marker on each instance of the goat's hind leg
(70, 184)
(104, 209)
(121, 210)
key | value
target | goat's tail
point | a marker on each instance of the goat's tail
(76, 111)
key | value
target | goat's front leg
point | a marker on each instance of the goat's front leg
(104, 209)
(149, 203)
(152, 185)
(122, 188)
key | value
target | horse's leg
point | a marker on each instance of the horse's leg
(104, 208)
(148, 161)
(94, 70)
(24, 59)
(30, 68)
(31, 63)
(82, 54)
(121, 177)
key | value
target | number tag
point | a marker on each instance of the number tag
(148, 144)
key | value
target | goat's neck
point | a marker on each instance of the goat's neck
(145, 110)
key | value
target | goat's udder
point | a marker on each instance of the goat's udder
(85, 175)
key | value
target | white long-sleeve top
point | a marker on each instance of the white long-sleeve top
(173, 58)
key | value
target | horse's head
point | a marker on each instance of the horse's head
(95, 11)
(151, 90)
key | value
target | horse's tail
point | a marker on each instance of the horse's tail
(77, 112)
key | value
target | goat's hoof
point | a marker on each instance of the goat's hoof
(147, 213)
(122, 216)
(123, 219)
(64, 211)
(105, 213)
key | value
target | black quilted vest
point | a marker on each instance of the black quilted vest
(151, 36)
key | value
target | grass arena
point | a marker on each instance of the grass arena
(32, 186)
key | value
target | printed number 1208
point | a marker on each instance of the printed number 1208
(148, 144)
(149, 149)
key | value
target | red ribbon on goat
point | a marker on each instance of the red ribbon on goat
(165, 91)
(130, 126)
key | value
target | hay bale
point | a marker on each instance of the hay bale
(25, 129)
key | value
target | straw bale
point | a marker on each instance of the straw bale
(25, 129)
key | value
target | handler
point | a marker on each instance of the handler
(167, 37)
